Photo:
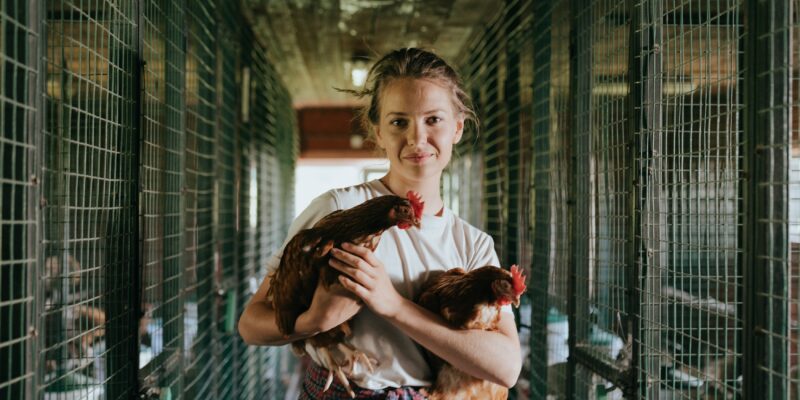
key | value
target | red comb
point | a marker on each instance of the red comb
(416, 203)
(518, 279)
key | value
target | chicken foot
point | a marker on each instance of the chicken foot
(353, 356)
(333, 367)
(350, 356)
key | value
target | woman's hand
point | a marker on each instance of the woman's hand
(367, 278)
(329, 308)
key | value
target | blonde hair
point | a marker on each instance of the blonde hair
(410, 63)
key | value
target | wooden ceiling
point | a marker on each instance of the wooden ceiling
(313, 43)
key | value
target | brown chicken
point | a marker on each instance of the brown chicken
(305, 262)
(470, 300)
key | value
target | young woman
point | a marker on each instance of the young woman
(416, 115)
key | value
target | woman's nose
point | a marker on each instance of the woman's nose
(417, 134)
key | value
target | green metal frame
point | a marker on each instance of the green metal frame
(540, 192)
(162, 151)
(767, 333)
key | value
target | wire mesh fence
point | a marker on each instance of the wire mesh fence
(162, 219)
(225, 207)
(690, 145)
(549, 350)
(663, 193)
(640, 157)
(128, 245)
(201, 115)
(268, 103)
(599, 145)
(89, 235)
(18, 227)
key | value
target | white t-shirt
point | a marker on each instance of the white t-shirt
(441, 243)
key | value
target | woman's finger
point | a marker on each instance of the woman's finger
(363, 252)
(352, 286)
(356, 274)
(342, 267)
(351, 259)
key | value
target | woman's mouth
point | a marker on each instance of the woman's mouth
(418, 158)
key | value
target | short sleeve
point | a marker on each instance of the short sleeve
(483, 253)
(321, 206)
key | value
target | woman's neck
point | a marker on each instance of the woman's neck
(428, 190)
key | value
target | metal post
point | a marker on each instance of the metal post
(575, 63)
(136, 270)
(764, 230)
(540, 274)
(36, 47)
(635, 175)
(654, 258)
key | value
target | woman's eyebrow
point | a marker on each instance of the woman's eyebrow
(404, 114)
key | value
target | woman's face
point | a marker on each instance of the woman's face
(418, 127)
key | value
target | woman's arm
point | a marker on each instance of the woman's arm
(489, 355)
(257, 323)
(329, 308)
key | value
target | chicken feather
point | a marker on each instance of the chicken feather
(469, 300)
(304, 264)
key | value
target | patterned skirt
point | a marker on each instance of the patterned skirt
(315, 379)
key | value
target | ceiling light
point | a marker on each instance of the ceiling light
(358, 73)
(356, 141)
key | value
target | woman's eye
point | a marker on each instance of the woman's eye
(398, 122)
(434, 120)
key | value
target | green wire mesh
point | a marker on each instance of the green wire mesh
(638, 199)
(597, 290)
(517, 93)
(201, 113)
(248, 365)
(120, 268)
(599, 142)
(495, 144)
(774, 167)
(641, 194)
(162, 171)
(17, 222)
(484, 74)
(89, 232)
(690, 148)
(465, 182)
(270, 213)
(249, 268)
(550, 236)
(226, 223)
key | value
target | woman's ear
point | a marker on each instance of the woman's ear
(378, 139)
(459, 130)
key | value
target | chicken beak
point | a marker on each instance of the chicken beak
(516, 302)
(417, 223)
